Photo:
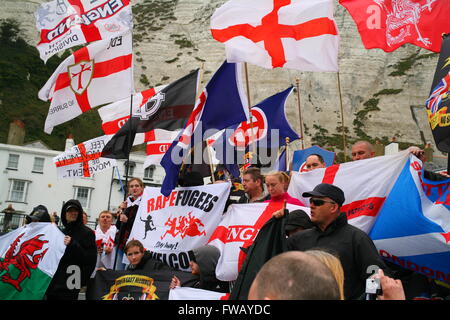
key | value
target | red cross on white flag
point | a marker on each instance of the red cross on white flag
(294, 34)
(96, 74)
(84, 159)
(66, 23)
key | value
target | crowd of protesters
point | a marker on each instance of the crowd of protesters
(327, 257)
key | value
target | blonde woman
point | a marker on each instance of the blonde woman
(334, 264)
(277, 184)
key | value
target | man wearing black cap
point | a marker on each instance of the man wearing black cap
(332, 232)
(297, 221)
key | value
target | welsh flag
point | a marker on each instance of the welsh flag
(29, 257)
(239, 228)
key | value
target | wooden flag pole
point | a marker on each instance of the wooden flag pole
(297, 81)
(287, 153)
(344, 138)
(252, 134)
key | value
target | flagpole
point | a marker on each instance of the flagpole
(287, 153)
(342, 118)
(297, 81)
(252, 134)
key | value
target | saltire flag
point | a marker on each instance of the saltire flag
(270, 130)
(412, 229)
(63, 24)
(270, 241)
(438, 103)
(294, 34)
(221, 104)
(300, 156)
(389, 24)
(94, 75)
(152, 283)
(366, 184)
(84, 159)
(188, 293)
(238, 229)
(29, 257)
(168, 109)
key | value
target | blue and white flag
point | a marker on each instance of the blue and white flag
(221, 104)
(300, 156)
(270, 130)
(412, 228)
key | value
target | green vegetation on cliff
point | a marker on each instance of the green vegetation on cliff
(22, 75)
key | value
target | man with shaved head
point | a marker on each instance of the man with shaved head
(294, 275)
(362, 150)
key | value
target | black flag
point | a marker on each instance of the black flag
(169, 109)
(438, 104)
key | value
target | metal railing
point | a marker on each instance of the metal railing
(11, 221)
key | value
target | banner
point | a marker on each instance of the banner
(148, 284)
(29, 257)
(187, 293)
(413, 227)
(91, 76)
(170, 227)
(67, 23)
(84, 159)
(366, 184)
(239, 228)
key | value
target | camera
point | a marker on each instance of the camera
(373, 289)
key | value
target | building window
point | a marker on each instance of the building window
(83, 194)
(13, 162)
(18, 190)
(148, 172)
(38, 165)
(130, 168)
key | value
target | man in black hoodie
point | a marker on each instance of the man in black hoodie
(79, 259)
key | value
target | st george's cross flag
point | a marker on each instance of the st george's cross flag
(238, 229)
(294, 34)
(63, 24)
(94, 75)
(29, 257)
(389, 24)
(84, 159)
(366, 184)
(221, 104)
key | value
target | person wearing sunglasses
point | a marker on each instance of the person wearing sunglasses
(333, 233)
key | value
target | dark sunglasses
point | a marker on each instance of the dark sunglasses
(319, 202)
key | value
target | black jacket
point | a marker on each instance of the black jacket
(81, 252)
(125, 227)
(353, 247)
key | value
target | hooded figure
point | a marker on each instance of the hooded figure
(81, 252)
(39, 214)
(207, 257)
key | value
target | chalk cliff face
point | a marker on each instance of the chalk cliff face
(383, 94)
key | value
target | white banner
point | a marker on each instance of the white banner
(171, 226)
(84, 159)
(188, 293)
(239, 228)
(66, 23)
(366, 184)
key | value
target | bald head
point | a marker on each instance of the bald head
(294, 275)
(362, 150)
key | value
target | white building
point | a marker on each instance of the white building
(28, 178)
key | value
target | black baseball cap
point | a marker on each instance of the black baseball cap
(298, 218)
(327, 190)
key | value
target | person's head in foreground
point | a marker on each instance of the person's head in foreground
(294, 275)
